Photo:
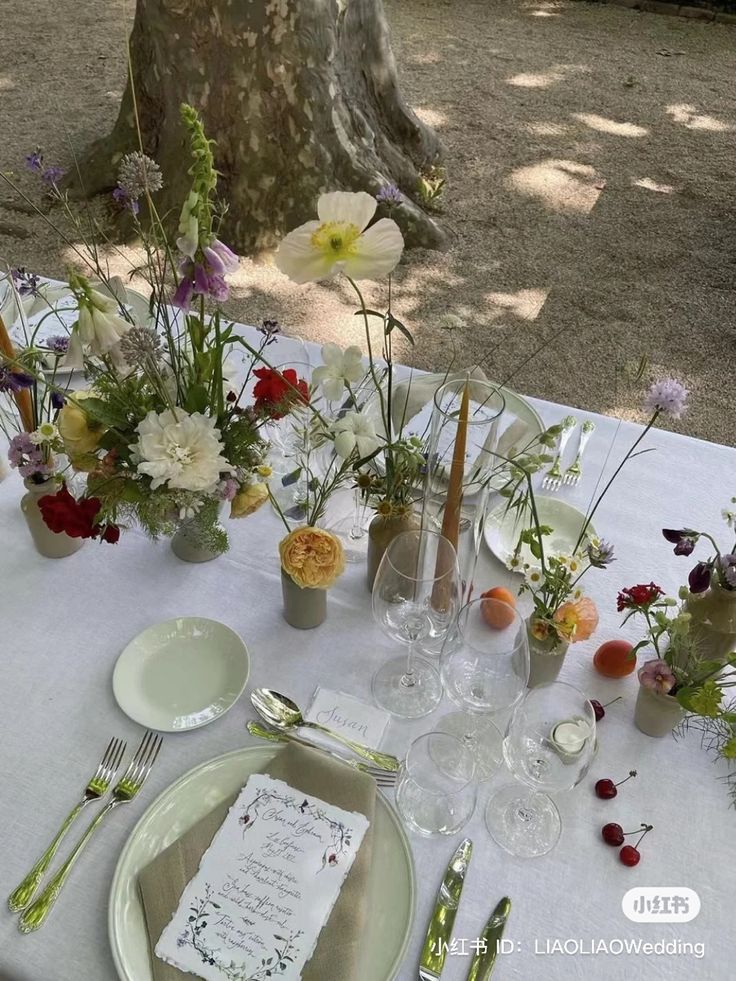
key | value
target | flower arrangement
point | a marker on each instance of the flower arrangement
(161, 431)
(562, 614)
(719, 569)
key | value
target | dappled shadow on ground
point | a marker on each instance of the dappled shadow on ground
(590, 196)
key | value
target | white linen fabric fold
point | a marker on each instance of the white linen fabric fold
(63, 624)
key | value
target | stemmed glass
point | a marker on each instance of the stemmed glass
(550, 744)
(485, 670)
(436, 792)
(416, 597)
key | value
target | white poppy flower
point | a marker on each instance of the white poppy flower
(182, 450)
(340, 367)
(354, 431)
(341, 241)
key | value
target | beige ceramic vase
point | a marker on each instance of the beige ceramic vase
(51, 544)
(381, 532)
(546, 658)
(304, 608)
(656, 714)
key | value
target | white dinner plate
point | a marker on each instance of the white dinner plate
(181, 674)
(391, 886)
(503, 527)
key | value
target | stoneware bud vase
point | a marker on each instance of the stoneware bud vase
(51, 544)
(304, 608)
(656, 714)
(546, 658)
(381, 532)
(713, 622)
(189, 544)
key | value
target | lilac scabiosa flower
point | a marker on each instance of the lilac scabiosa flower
(58, 344)
(657, 676)
(13, 381)
(390, 195)
(600, 554)
(699, 578)
(668, 396)
(228, 489)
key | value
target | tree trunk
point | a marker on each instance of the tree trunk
(301, 96)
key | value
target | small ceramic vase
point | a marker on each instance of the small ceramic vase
(381, 532)
(51, 544)
(713, 621)
(656, 714)
(304, 608)
(545, 658)
(188, 545)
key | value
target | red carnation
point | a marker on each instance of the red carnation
(638, 596)
(276, 391)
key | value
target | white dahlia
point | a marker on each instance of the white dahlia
(181, 450)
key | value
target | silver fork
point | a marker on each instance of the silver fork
(97, 787)
(574, 472)
(384, 778)
(124, 791)
(553, 477)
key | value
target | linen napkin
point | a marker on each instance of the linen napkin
(337, 954)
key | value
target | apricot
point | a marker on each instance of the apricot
(614, 659)
(501, 614)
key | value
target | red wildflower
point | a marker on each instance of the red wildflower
(276, 392)
(638, 596)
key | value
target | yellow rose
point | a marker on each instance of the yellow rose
(247, 500)
(81, 436)
(312, 557)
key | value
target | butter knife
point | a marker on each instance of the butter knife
(485, 958)
(439, 932)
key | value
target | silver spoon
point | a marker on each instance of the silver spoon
(281, 713)
(382, 777)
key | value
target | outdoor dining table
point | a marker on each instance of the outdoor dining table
(63, 624)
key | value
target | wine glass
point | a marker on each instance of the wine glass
(549, 745)
(416, 596)
(485, 670)
(436, 793)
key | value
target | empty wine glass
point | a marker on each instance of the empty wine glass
(416, 597)
(435, 793)
(485, 670)
(549, 745)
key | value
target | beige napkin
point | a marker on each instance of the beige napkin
(337, 954)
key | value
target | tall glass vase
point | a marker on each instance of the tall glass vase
(485, 408)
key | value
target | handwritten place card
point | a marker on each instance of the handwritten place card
(349, 716)
(265, 886)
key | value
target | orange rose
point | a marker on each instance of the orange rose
(576, 620)
(312, 557)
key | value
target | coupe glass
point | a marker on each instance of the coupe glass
(416, 597)
(549, 745)
(486, 407)
(436, 793)
(485, 670)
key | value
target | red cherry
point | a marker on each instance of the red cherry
(600, 710)
(613, 834)
(629, 855)
(606, 789)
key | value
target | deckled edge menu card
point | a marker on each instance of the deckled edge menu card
(265, 887)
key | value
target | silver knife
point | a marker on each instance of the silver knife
(485, 958)
(439, 932)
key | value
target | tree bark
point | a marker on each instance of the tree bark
(301, 97)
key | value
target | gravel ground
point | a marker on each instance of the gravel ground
(590, 202)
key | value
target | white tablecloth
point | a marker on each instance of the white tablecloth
(63, 623)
